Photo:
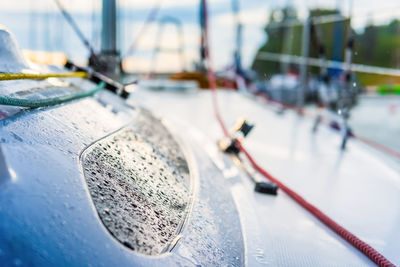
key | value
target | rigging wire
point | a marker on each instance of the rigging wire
(150, 18)
(93, 23)
(75, 27)
(366, 249)
(37, 103)
(382, 148)
(378, 146)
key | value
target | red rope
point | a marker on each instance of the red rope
(302, 112)
(360, 138)
(378, 146)
(366, 249)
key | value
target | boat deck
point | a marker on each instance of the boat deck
(359, 188)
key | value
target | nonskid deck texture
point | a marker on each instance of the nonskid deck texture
(358, 188)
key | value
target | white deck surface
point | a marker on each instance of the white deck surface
(359, 188)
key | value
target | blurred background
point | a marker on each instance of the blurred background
(271, 46)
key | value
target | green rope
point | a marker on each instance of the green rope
(37, 103)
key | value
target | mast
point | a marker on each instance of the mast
(338, 32)
(238, 48)
(109, 28)
(108, 60)
(202, 22)
(305, 52)
(289, 17)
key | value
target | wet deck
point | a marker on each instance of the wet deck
(358, 188)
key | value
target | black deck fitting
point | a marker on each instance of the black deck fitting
(229, 146)
(266, 188)
(244, 127)
(97, 77)
(334, 125)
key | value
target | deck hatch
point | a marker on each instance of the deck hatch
(139, 181)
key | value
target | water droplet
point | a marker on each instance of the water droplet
(17, 137)
(17, 262)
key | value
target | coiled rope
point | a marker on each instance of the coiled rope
(366, 249)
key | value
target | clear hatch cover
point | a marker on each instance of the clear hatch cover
(140, 185)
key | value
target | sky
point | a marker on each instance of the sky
(37, 25)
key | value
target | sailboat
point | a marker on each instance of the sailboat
(98, 173)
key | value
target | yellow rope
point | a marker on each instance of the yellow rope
(19, 76)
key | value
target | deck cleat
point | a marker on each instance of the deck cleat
(243, 127)
(97, 77)
(229, 146)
